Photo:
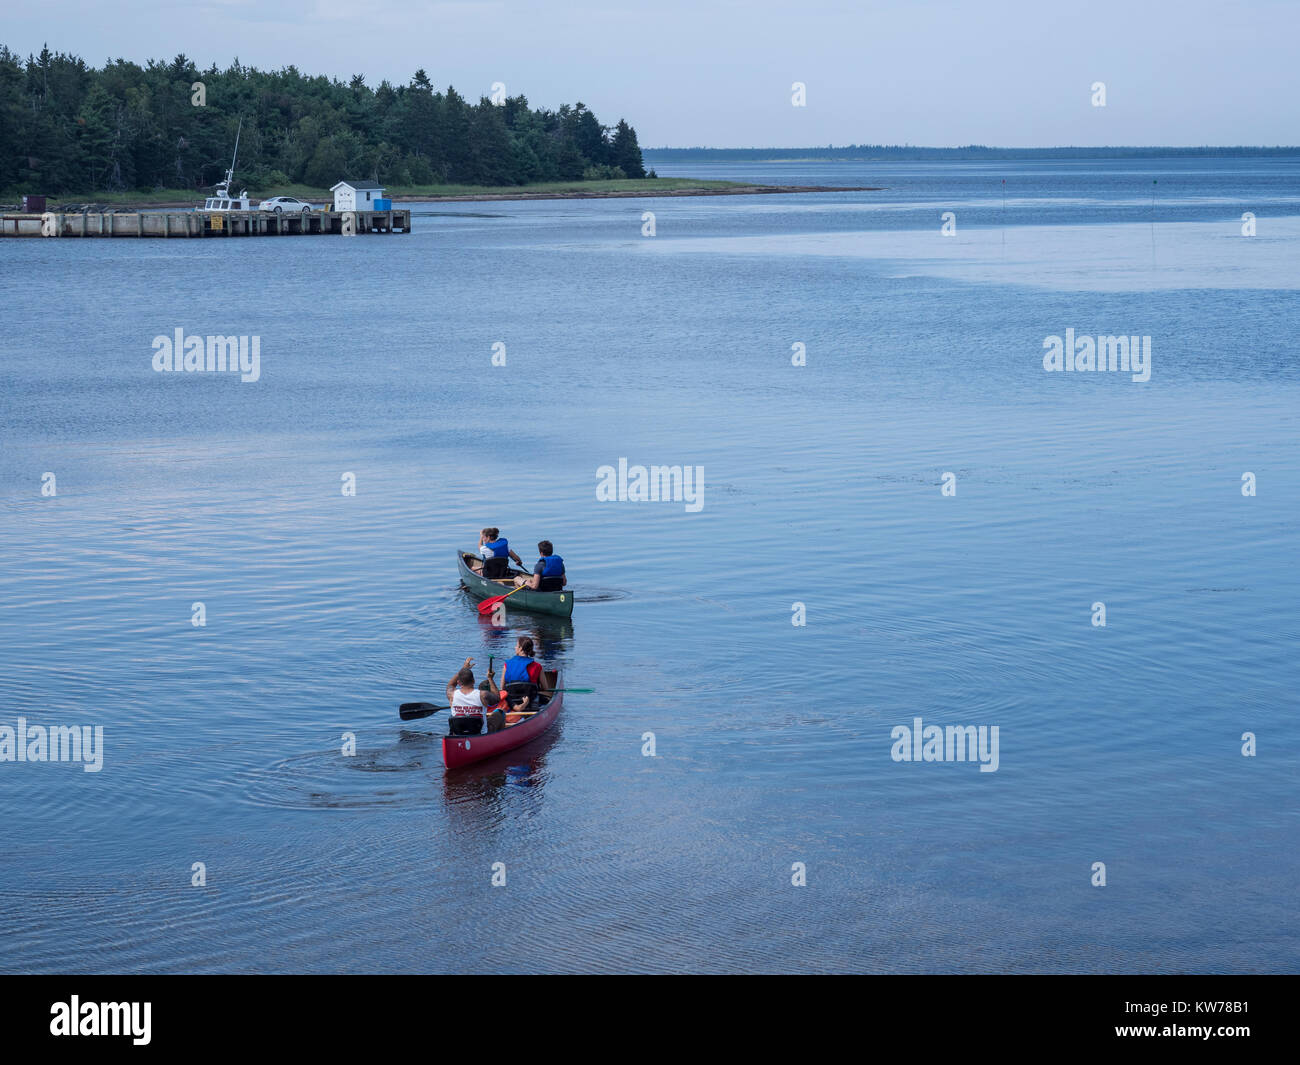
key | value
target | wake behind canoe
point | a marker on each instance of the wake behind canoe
(558, 604)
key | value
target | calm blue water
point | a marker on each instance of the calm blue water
(223, 743)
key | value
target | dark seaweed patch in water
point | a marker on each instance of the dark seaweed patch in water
(601, 595)
(400, 775)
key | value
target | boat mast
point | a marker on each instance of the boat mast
(224, 188)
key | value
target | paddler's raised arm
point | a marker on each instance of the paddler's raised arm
(451, 684)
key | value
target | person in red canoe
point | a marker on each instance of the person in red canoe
(496, 555)
(548, 574)
(471, 707)
(523, 680)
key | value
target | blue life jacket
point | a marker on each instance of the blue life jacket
(516, 671)
(552, 566)
(500, 547)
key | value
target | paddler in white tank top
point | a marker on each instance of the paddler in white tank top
(472, 707)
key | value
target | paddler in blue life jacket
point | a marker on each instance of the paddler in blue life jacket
(548, 574)
(522, 678)
(492, 545)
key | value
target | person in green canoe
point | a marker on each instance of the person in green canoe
(496, 554)
(548, 574)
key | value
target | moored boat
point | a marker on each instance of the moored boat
(458, 751)
(221, 200)
(557, 603)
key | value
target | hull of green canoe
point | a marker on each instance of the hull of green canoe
(557, 604)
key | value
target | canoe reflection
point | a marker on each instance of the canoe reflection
(552, 636)
(495, 780)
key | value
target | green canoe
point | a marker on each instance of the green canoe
(556, 603)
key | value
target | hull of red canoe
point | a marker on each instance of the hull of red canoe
(466, 750)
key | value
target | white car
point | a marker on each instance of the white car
(286, 205)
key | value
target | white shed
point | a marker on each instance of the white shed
(356, 195)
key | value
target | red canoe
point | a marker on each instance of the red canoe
(465, 750)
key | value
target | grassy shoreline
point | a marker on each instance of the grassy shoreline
(543, 190)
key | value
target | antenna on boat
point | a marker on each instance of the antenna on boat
(223, 189)
(230, 174)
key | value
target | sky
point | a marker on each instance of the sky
(720, 73)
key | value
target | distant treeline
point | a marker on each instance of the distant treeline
(970, 152)
(67, 127)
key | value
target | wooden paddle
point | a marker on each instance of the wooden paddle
(488, 605)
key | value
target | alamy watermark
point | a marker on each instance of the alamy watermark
(652, 484)
(953, 743)
(102, 1018)
(214, 354)
(1128, 354)
(57, 743)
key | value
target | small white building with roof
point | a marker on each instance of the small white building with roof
(357, 195)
